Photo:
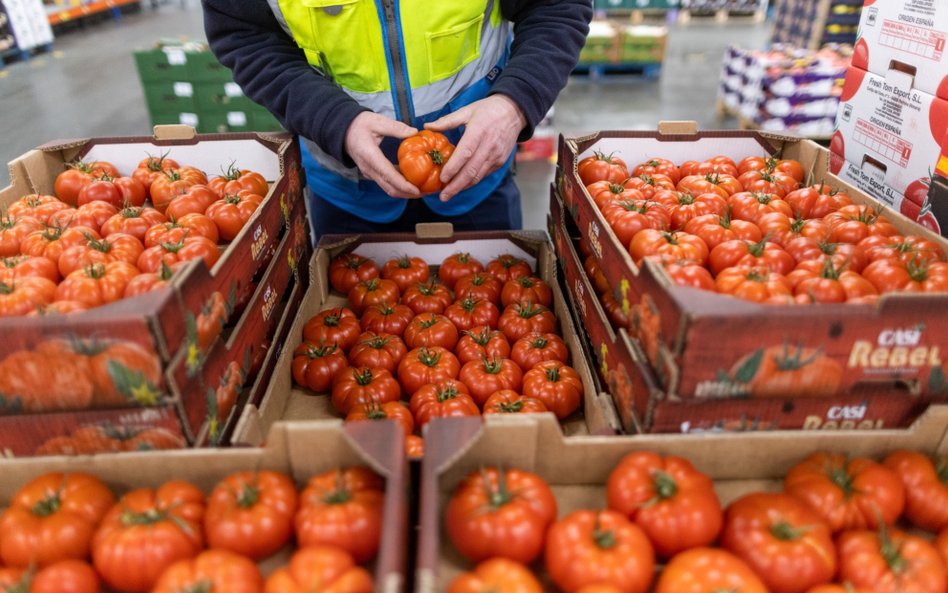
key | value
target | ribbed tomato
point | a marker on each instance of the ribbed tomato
(744, 253)
(684, 206)
(378, 350)
(715, 229)
(355, 386)
(480, 342)
(333, 326)
(557, 385)
(676, 246)
(628, 217)
(602, 167)
(235, 180)
(486, 376)
(251, 513)
(506, 267)
(508, 401)
(345, 271)
(406, 271)
(442, 399)
(132, 221)
(469, 312)
(428, 364)
(430, 297)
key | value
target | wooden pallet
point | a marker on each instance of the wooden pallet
(15, 54)
(722, 16)
(598, 71)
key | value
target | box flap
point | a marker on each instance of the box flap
(434, 230)
(677, 127)
(174, 132)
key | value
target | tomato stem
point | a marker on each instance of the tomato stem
(249, 495)
(786, 532)
(510, 407)
(436, 157)
(363, 377)
(47, 506)
(604, 539)
(341, 494)
(200, 587)
(499, 496)
(446, 393)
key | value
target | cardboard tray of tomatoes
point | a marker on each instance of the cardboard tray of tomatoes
(289, 450)
(433, 243)
(894, 346)
(577, 470)
(203, 393)
(645, 407)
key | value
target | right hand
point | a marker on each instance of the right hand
(363, 137)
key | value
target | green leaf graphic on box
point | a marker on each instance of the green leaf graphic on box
(133, 384)
(213, 430)
(748, 370)
(936, 382)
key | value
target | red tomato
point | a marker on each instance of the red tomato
(852, 224)
(481, 285)
(469, 312)
(659, 166)
(707, 570)
(926, 492)
(895, 276)
(97, 285)
(443, 399)
(387, 318)
(395, 411)
(753, 283)
(430, 297)
(744, 253)
(649, 185)
(333, 326)
(906, 249)
(151, 167)
(380, 351)
(320, 568)
(508, 401)
(236, 180)
(628, 217)
(431, 329)
(121, 192)
(406, 271)
(508, 267)
(316, 366)
(186, 250)
(558, 386)
(486, 376)
(823, 282)
(527, 289)
(817, 201)
(345, 271)
(357, 386)
(890, 562)
(686, 273)
(428, 364)
(481, 342)
(602, 167)
(457, 266)
(684, 206)
(518, 320)
(676, 246)
(13, 230)
(132, 221)
(231, 213)
(716, 229)
(498, 575)
(212, 570)
(374, 291)
(604, 193)
(534, 348)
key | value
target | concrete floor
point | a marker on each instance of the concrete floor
(88, 87)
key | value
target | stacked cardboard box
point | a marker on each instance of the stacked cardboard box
(893, 114)
(814, 23)
(185, 84)
(28, 24)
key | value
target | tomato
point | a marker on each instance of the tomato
(486, 376)
(707, 570)
(414, 447)
(481, 286)
(213, 570)
(59, 308)
(508, 401)
(173, 183)
(187, 249)
(781, 371)
(847, 588)
(357, 386)
(132, 221)
(429, 297)
(753, 163)
(345, 271)
(497, 575)
(926, 488)
(65, 576)
(146, 532)
(889, 275)
(97, 284)
(628, 217)
(189, 225)
(231, 213)
(22, 295)
(40, 207)
(52, 518)
(782, 229)
(906, 249)
(686, 273)
(773, 183)
(520, 319)
(235, 180)
(379, 351)
(342, 508)
(751, 205)
(316, 366)
(668, 498)
(395, 411)
(845, 256)
(783, 540)
(70, 182)
(447, 398)
(853, 223)
(387, 318)
(527, 289)
(480, 342)
(372, 292)
(500, 514)
(13, 230)
(594, 271)
(602, 167)
(744, 253)
(151, 167)
(431, 329)
(823, 282)
(115, 247)
(604, 193)
(718, 183)
(890, 562)
(251, 513)
(469, 312)
(534, 348)
(684, 206)
(508, 267)
(120, 192)
(817, 201)
(715, 229)
(150, 282)
(406, 271)
(941, 545)
(718, 164)
(649, 185)
(25, 266)
(421, 158)
(677, 246)
(558, 386)
(753, 283)
(196, 200)
(92, 215)
(599, 547)
(457, 266)
(427, 364)
(320, 568)
(848, 492)
(659, 166)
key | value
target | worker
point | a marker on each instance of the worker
(355, 77)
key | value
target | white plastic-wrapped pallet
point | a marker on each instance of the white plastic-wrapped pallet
(29, 23)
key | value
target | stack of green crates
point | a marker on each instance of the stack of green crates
(184, 83)
(617, 42)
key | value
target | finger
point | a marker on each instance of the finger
(378, 168)
(463, 152)
(450, 121)
(393, 128)
(470, 175)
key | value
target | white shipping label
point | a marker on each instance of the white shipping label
(232, 89)
(236, 118)
(188, 119)
(176, 57)
(183, 89)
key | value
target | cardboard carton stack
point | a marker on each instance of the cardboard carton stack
(893, 115)
(27, 22)
(185, 84)
(814, 23)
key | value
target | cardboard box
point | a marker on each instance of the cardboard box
(577, 469)
(167, 325)
(894, 347)
(185, 118)
(888, 136)
(909, 32)
(644, 407)
(285, 400)
(289, 449)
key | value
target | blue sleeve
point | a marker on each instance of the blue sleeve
(273, 71)
(548, 36)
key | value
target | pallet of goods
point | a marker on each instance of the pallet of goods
(432, 325)
(784, 89)
(833, 312)
(277, 518)
(777, 512)
(723, 10)
(614, 46)
(893, 116)
(131, 311)
(811, 24)
(23, 29)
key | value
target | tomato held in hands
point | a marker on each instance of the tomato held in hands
(320, 568)
(497, 575)
(500, 513)
(251, 513)
(926, 488)
(708, 570)
(342, 508)
(444, 399)
(890, 561)
(421, 158)
(599, 547)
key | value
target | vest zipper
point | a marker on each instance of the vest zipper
(398, 64)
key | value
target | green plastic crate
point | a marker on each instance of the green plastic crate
(220, 122)
(221, 96)
(204, 67)
(170, 96)
(157, 65)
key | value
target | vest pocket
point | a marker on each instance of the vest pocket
(452, 49)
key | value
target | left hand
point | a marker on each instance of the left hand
(492, 126)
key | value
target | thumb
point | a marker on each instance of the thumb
(451, 120)
(394, 128)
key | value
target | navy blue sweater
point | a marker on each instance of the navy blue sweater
(273, 71)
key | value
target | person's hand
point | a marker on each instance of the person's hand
(491, 129)
(363, 137)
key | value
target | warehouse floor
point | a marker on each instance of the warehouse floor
(88, 87)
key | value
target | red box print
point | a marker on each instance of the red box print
(924, 43)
